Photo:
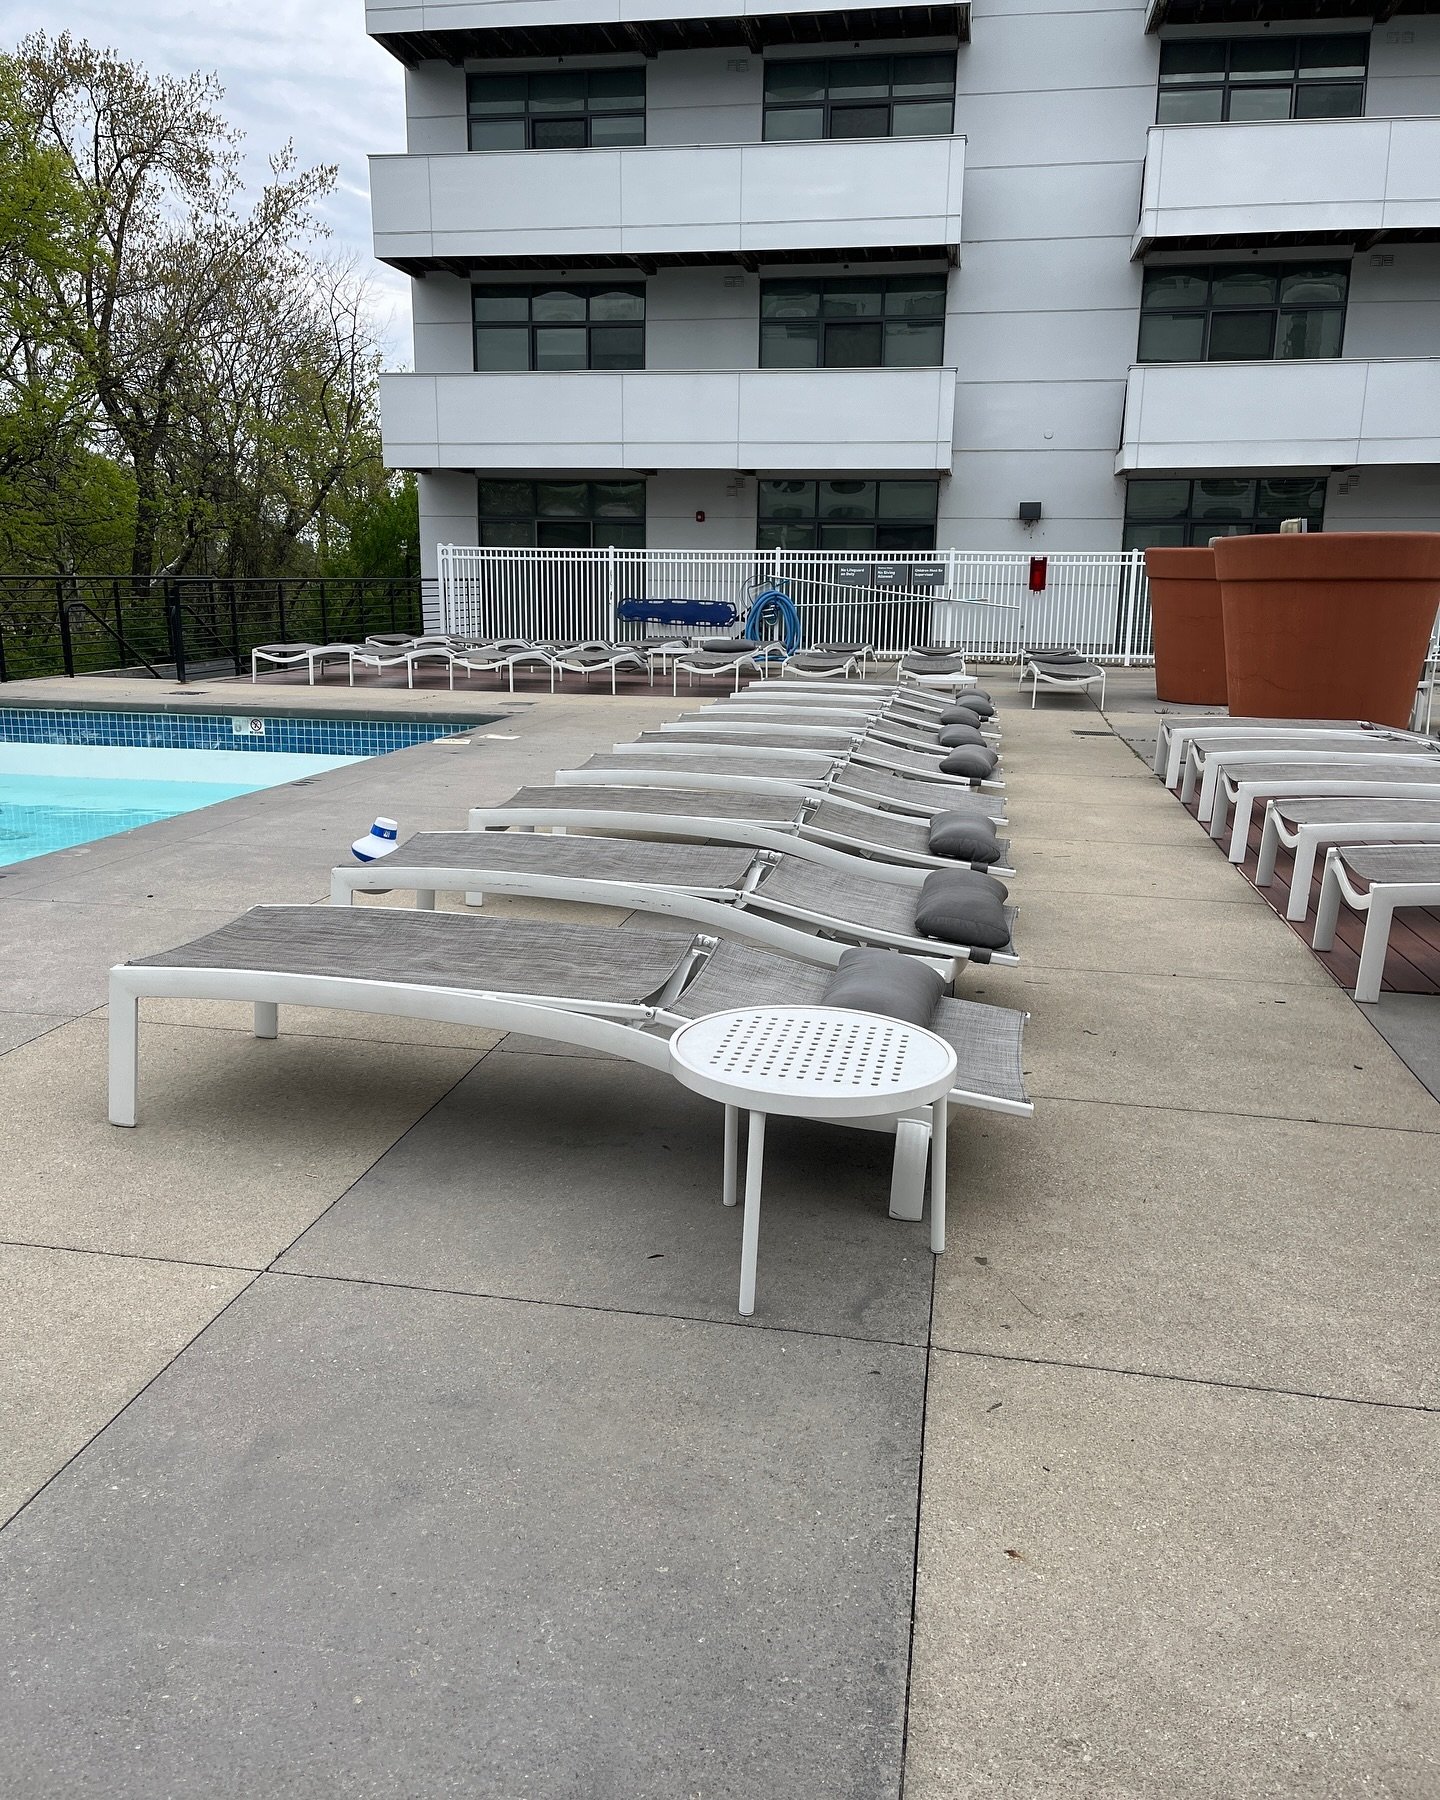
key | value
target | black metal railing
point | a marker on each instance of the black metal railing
(182, 625)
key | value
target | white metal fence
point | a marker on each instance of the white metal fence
(989, 603)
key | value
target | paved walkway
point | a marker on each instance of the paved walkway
(377, 1422)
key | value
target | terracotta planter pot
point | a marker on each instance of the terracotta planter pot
(1188, 627)
(1333, 625)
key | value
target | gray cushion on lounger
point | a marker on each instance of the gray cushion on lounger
(971, 762)
(955, 912)
(953, 736)
(728, 646)
(966, 838)
(885, 982)
(977, 881)
(967, 709)
(1056, 656)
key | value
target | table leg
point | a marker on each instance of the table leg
(750, 1235)
(732, 1151)
(939, 1115)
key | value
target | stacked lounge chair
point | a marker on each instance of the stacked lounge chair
(1061, 668)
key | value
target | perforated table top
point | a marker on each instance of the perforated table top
(814, 1061)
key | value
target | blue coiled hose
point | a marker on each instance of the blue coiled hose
(773, 605)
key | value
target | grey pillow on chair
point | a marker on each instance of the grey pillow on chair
(970, 762)
(885, 982)
(963, 711)
(976, 881)
(966, 838)
(953, 736)
(957, 913)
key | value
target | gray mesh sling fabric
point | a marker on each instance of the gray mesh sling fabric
(756, 809)
(584, 858)
(432, 949)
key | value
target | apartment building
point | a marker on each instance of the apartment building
(1012, 274)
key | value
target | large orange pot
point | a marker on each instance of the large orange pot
(1333, 625)
(1188, 628)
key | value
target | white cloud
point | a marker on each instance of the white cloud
(302, 70)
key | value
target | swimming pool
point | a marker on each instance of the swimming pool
(70, 777)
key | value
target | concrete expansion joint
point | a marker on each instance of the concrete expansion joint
(977, 1353)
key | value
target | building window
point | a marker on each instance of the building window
(1206, 79)
(847, 515)
(1179, 511)
(853, 322)
(556, 325)
(562, 515)
(860, 97)
(1243, 312)
(578, 109)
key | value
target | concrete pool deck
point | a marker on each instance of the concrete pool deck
(377, 1421)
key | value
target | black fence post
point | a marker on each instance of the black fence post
(324, 613)
(67, 647)
(175, 627)
(234, 625)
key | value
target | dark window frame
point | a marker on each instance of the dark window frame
(771, 529)
(1228, 82)
(529, 113)
(532, 522)
(531, 327)
(827, 324)
(1277, 309)
(829, 103)
(1192, 528)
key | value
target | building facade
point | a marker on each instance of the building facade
(716, 275)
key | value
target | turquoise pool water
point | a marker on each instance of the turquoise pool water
(71, 775)
(40, 813)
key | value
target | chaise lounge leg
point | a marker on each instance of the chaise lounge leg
(907, 1175)
(124, 1054)
(1327, 910)
(1372, 951)
(267, 1019)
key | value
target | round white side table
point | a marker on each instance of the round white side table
(814, 1062)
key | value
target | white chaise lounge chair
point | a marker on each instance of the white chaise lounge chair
(314, 656)
(825, 829)
(927, 763)
(1377, 880)
(1205, 761)
(1175, 730)
(1306, 826)
(759, 897)
(597, 987)
(765, 771)
(1245, 788)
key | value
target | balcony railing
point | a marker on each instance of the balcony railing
(837, 420)
(1281, 415)
(988, 603)
(1289, 179)
(667, 200)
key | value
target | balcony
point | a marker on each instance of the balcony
(842, 420)
(414, 30)
(1281, 415)
(1288, 181)
(666, 203)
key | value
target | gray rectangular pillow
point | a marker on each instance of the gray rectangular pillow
(885, 982)
(963, 836)
(971, 762)
(956, 914)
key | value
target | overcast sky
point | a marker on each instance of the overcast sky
(300, 69)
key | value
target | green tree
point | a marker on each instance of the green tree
(168, 254)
